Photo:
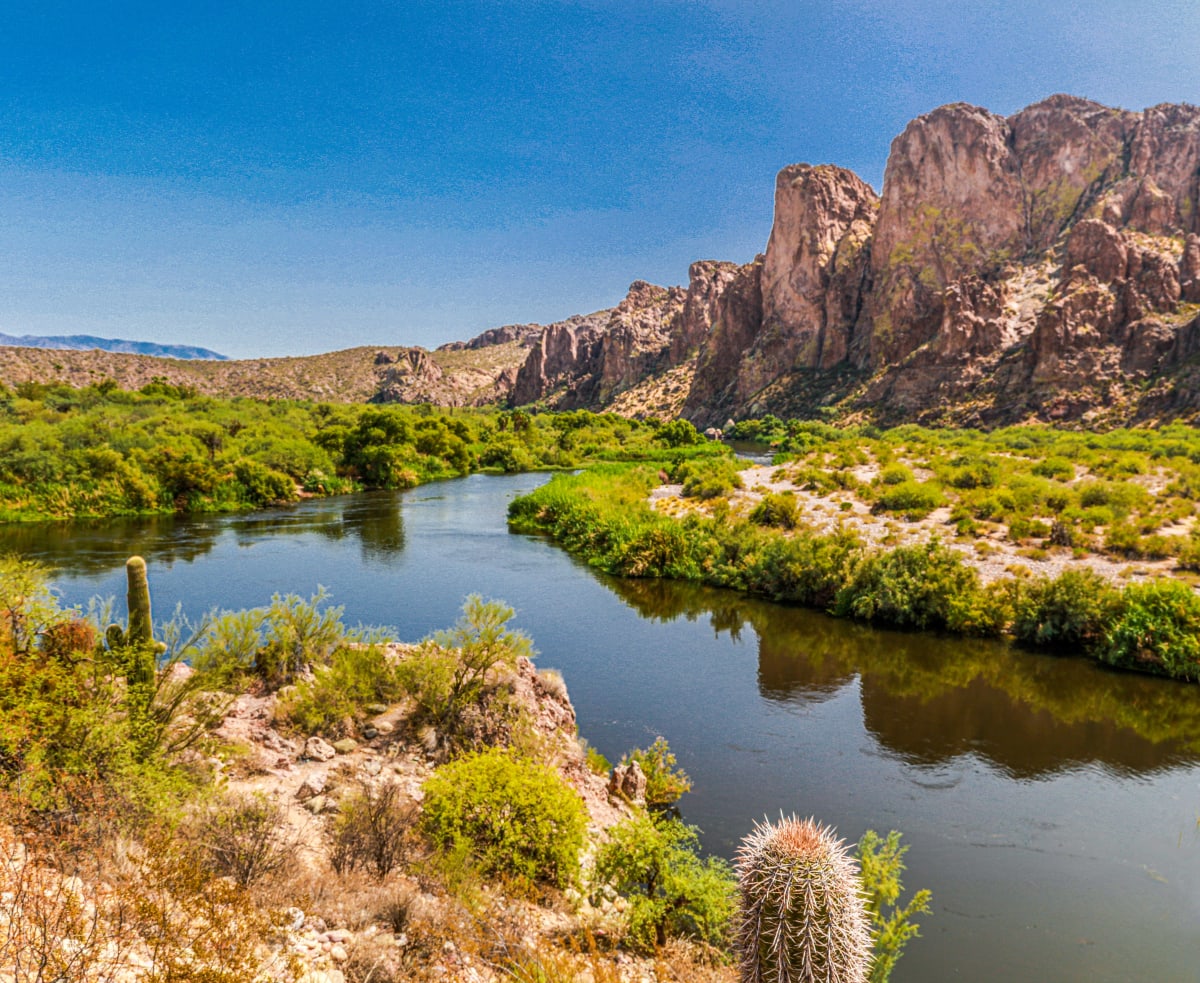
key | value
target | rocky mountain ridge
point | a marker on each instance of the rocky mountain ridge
(1044, 265)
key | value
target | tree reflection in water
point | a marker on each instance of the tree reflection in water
(929, 699)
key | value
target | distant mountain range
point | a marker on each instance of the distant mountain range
(86, 342)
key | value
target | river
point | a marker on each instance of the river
(1053, 807)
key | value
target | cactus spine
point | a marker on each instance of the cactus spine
(802, 913)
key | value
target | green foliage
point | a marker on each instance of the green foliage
(263, 486)
(1156, 627)
(298, 634)
(881, 866)
(777, 509)
(653, 862)
(678, 433)
(517, 817)
(1069, 611)
(915, 499)
(334, 697)
(710, 477)
(925, 586)
(452, 669)
(802, 908)
(895, 474)
(666, 783)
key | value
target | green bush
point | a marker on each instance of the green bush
(895, 474)
(915, 499)
(777, 509)
(336, 694)
(708, 477)
(1156, 628)
(1058, 468)
(262, 486)
(678, 433)
(654, 863)
(516, 816)
(911, 587)
(452, 669)
(1069, 611)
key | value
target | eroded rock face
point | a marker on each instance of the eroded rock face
(584, 362)
(1006, 261)
(815, 265)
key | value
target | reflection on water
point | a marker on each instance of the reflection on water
(1050, 805)
(930, 699)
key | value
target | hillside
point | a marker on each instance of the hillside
(1041, 266)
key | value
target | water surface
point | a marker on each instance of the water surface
(1052, 806)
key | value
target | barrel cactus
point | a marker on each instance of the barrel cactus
(802, 914)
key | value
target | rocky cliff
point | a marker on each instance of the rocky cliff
(1043, 265)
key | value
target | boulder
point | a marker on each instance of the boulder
(628, 782)
(318, 749)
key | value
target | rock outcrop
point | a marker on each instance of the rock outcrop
(1044, 265)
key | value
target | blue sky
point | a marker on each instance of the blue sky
(289, 178)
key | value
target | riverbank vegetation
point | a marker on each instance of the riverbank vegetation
(819, 557)
(169, 808)
(101, 451)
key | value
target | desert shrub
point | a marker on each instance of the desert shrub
(1155, 627)
(665, 782)
(1122, 538)
(199, 928)
(1122, 497)
(1070, 610)
(654, 863)
(355, 677)
(243, 838)
(370, 831)
(452, 669)
(515, 816)
(895, 474)
(708, 477)
(777, 509)
(915, 499)
(1058, 468)
(973, 472)
(1189, 554)
(910, 587)
(298, 634)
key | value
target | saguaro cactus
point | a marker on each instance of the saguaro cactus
(802, 913)
(137, 641)
(141, 627)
